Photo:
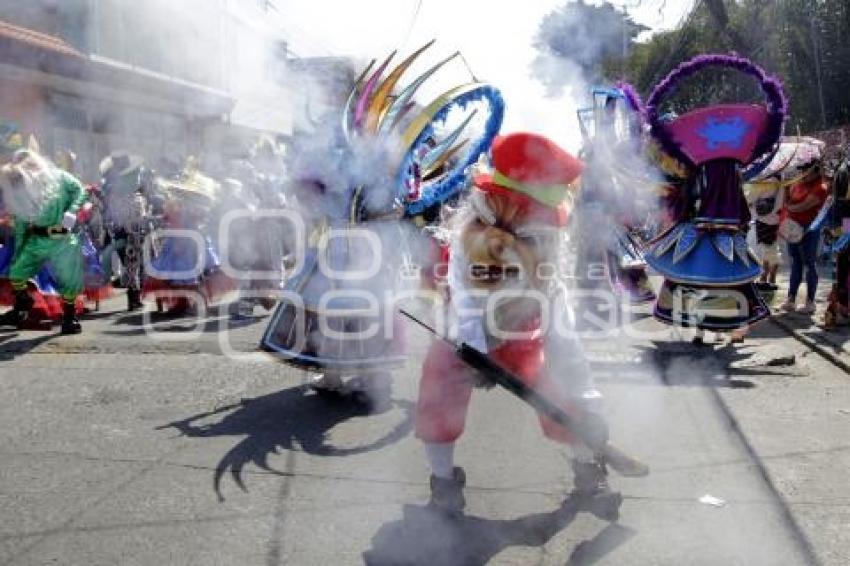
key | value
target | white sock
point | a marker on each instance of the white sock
(441, 457)
(582, 453)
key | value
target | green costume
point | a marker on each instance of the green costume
(42, 239)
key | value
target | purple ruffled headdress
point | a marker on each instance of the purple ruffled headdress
(777, 104)
(633, 98)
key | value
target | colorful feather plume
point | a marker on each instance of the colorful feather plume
(376, 107)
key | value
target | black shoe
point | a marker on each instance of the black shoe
(589, 478)
(70, 324)
(594, 493)
(11, 319)
(20, 311)
(134, 301)
(447, 493)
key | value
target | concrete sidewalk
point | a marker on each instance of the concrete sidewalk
(834, 343)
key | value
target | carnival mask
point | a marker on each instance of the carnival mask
(26, 184)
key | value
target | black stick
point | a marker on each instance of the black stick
(590, 429)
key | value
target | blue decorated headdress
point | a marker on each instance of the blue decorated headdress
(436, 149)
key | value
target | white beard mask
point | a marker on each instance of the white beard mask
(26, 199)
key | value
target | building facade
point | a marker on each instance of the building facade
(159, 78)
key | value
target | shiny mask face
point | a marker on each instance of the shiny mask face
(511, 259)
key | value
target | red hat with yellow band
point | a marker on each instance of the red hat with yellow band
(535, 174)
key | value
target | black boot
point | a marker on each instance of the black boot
(70, 324)
(134, 301)
(593, 491)
(447, 493)
(590, 478)
(18, 315)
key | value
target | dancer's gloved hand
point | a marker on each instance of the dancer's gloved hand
(69, 220)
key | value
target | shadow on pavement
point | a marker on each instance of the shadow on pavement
(292, 419)
(100, 315)
(424, 536)
(833, 339)
(680, 364)
(216, 319)
(767, 329)
(137, 318)
(10, 348)
(607, 540)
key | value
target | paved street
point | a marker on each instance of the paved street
(359, 157)
(119, 447)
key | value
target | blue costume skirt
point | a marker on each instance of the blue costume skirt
(709, 278)
(7, 252)
(177, 262)
(303, 335)
(93, 272)
(177, 271)
(44, 282)
(689, 255)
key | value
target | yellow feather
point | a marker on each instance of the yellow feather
(379, 104)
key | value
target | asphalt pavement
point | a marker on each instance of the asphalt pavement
(186, 446)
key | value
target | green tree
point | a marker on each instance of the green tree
(805, 42)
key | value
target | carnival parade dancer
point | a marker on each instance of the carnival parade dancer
(186, 274)
(127, 189)
(608, 210)
(46, 302)
(257, 242)
(838, 308)
(353, 181)
(500, 291)
(708, 266)
(98, 278)
(766, 200)
(44, 202)
(11, 141)
(90, 222)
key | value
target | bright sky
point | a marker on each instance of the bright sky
(496, 41)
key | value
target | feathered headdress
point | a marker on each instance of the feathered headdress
(742, 132)
(432, 161)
